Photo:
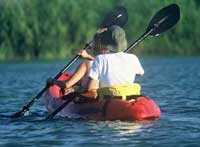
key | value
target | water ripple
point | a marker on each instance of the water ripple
(172, 82)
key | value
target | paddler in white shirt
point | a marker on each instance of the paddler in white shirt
(111, 67)
(114, 69)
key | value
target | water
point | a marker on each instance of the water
(172, 82)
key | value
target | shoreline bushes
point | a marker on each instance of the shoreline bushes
(51, 30)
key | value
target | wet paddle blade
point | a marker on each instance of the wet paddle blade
(164, 19)
(117, 16)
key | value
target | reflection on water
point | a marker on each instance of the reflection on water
(123, 128)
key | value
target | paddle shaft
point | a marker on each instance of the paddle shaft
(145, 35)
(50, 116)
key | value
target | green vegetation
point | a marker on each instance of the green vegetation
(57, 29)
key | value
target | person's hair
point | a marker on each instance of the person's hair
(113, 39)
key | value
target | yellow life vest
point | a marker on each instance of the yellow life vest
(122, 90)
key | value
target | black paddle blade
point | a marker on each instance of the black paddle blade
(164, 19)
(117, 16)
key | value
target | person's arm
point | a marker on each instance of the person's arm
(84, 54)
(66, 86)
(81, 71)
(94, 75)
(139, 68)
(93, 84)
(78, 75)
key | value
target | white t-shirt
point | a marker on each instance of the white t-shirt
(115, 68)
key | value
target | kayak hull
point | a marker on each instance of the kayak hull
(139, 108)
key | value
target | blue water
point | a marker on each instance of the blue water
(172, 82)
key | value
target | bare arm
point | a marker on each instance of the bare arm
(78, 75)
(84, 54)
(81, 71)
(140, 70)
(93, 84)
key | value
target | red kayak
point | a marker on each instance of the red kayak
(136, 108)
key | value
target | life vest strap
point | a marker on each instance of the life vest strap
(129, 97)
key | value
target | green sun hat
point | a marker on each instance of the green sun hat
(114, 39)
